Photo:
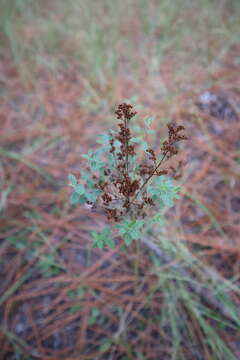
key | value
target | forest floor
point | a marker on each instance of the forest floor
(61, 299)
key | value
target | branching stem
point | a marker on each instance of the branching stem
(149, 177)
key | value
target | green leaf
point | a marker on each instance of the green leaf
(71, 293)
(92, 196)
(94, 234)
(105, 232)
(138, 129)
(95, 244)
(53, 271)
(74, 198)
(103, 238)
(135, 234)
(95, 311)
(117, 144)
(138, 224)
(88, 156)
(103, 138)
(98, 243)
(79, 188)
(150, 131)
(156, 219)
(94, 314)
(98, 153)
(81, 292)
(72, 180)
(131, 223)
(74, 308)
(82, 199)
(167, 199)
(148, 121)
(144, 146)
(128, 240)
(86, 176)
(137, 140)
(164, 190)
(121, 230)
(109, 242)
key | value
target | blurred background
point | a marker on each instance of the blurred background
(64, 67)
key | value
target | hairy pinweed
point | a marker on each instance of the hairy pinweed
(130, 188)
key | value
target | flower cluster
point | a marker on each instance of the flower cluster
(122, 186)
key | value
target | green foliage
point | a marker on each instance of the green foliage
(95, 313)
(103, 238)
(130, 230)
(163, 190)
(48, 265)
(82, 194)
(72, 180)
(74, 308)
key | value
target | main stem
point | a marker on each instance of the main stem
(126, 163)
(149, 177)
(126, 149)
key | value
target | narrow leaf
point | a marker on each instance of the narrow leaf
(74, 198)
(72, 180)
(79, 188)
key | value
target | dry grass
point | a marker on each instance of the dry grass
(59, 298)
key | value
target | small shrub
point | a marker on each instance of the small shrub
(127, 179)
